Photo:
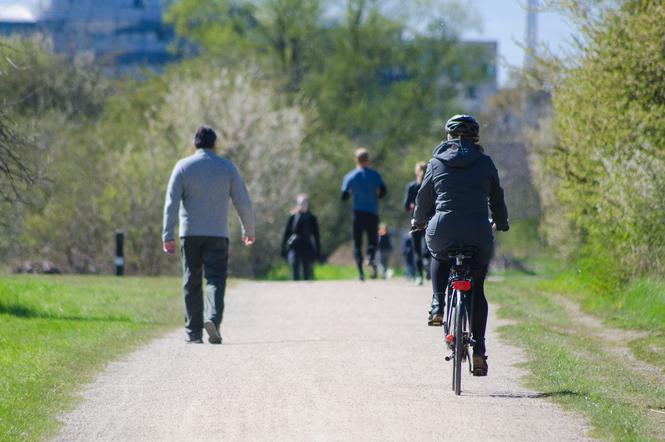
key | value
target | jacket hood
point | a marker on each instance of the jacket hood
(457, 153)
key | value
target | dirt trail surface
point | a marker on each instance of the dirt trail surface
(315, 361)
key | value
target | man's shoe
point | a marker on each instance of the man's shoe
(213, 334)
(361, 277)
(479, 364)
(375, 272)
(193, 340)
(419, 280)
(435, 320)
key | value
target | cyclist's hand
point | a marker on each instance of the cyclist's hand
(248, 240)
(169, 247)
(415, 227)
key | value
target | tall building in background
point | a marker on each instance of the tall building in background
(473, 95)
(531, 33)
(122, 34)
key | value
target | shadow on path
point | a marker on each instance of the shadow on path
(523, 394)
(21, 311)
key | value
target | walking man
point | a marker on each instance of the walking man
(199, 190)
(366, 186)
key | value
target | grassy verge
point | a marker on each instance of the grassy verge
(328, 272)
(55, 331)
(572, 367)
(638, 305)
(323, 272)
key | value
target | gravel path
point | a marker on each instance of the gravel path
(315, 361)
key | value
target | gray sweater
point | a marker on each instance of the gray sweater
(203, 183)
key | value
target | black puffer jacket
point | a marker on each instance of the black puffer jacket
(305, 228)
(459, 182)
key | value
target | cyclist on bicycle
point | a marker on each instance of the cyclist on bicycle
(459, 182)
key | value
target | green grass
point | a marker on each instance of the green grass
(323, 272)
(573, 369)
(56, 331)
(639, 304)
(650, 349)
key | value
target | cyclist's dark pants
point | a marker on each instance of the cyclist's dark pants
(365, 223)
(440, 273)
(203, 255)
(300, 261)
(417, 238)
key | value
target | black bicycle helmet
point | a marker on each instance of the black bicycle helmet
(463, 126)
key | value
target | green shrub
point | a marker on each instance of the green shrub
(610, 120)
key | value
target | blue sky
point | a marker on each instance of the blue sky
(500, 20)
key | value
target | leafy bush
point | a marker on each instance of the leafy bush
(610, 122)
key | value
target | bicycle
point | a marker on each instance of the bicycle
(459, 307)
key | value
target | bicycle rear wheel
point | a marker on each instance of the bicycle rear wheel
(459, 344)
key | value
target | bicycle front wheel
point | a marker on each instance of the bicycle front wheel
(459, 344)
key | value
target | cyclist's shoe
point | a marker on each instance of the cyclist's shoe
(194, 340)
(479, 364)
(213, 334)
(435, 320)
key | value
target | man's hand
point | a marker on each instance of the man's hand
(169, 247)
(248, 240)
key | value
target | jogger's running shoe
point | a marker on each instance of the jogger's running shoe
(213, 334)
(479, 364)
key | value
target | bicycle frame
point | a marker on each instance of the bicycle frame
(459, 307)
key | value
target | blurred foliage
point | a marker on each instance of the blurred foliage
(45, 100)
(608, 165)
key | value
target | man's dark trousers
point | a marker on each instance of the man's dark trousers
(204, 255)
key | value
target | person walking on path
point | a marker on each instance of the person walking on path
(459, 183)
(366, 186)
(301, 244)
(409, 205)
(199, 191)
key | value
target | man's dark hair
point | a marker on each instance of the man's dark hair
(205, 138)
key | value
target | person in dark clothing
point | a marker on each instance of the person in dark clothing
(385, 246)
(409, 205)
(459, 182)
(301, 244)
(366, 186)
(407, 253)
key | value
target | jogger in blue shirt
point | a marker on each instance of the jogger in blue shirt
(366, 186)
